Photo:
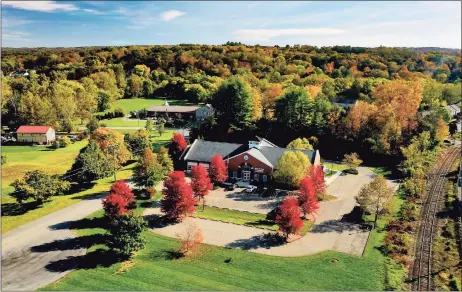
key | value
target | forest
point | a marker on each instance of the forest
(280, 93)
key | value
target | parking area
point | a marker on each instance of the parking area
(239, 199)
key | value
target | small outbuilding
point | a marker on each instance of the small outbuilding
(36, 134)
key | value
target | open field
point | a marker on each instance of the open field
(13, 215)
(21, 159)
(133, 104)
(217, 268)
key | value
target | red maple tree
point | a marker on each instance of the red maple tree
(119, 200)
(114, 205)
(317, 175)
(218, 169)
(121, 188)
(307, 198)
(200, 182)
(288, 219)
(177, 201)
(179, 141)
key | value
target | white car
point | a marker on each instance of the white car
(250, 189)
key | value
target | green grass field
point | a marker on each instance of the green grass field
(241, 218)
(13, 215)
(133, 104)
(217, 268)
(21, 159)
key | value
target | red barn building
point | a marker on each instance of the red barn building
(255, 161)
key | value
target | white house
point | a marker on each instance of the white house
(36, 134)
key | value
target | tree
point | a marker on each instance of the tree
(269, 97)
(138, 141)
(233, 103)
(160, 127)
(119, 201)
(177, 201)
(317, 175)
(149, 125)
(93, 163)
(441, 131)
(200, 182)
(289, 220)
(307, 198)
(218, 169)
(190, 239)
(114, 205)
(294, 108)
(179, 143)
(300, 144)
(148, 172)
(352, 160)
(93, 124)
(122, 189)
(375, 197)
(165, 161)
(112, 144)
(39, 186)
(126, 234)
(291, 168)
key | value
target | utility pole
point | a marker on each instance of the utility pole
(114, 164)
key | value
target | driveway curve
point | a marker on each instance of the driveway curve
(328, 232)
(28, 249)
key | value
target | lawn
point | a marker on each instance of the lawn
(218, 268)
(241, 218)
(21, 159)
(335, 166)
(134, 104)
(14, 216)
(380, 170)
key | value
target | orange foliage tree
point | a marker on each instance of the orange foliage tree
(112, 144)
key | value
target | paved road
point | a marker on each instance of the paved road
(27, 250)
(328, 232)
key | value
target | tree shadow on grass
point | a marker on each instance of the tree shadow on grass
(71, 243)
(158, 221)
(261, 223)
(91, 196)
(166, 254)
(85, 223)
(79, 187)
(91, 260)
(267, 241)
(15, 209)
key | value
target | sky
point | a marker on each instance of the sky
(117, 23)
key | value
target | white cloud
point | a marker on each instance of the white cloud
(43, 6)
(93, 11)
(171, 14)
(10, 22)
(269, 34)
(15, 35)
(135, 27)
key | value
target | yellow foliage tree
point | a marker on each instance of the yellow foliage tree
(441, 130)
(292, 167)
(112, 144)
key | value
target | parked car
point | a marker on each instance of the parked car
(250, 189)
(231, 187)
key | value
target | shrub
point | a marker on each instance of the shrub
(39, 186)
(350, 171)
(4, 159)
(119, 112)
(190, 240)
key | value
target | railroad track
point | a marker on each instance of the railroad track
(422, 270)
